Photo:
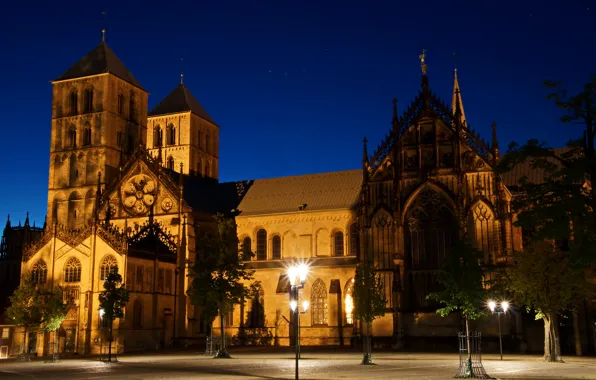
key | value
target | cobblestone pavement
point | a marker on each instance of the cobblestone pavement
(251, 364)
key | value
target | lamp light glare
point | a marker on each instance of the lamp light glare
(492, 305)
(305, 305)
(292, 272)
(302, 272)
(293, 305)
(505, 306)
(101, 313)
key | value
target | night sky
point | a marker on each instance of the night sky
(294, 85)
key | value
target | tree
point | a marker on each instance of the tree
(25, 309)
(218, 274)
(544, 280)
(369, 301)
(54, 312)
(112, 301)
(462, 279)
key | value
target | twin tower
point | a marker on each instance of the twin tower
(100, 118)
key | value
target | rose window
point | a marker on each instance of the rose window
(138, 194)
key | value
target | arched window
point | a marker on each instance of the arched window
(108, 265)
(257, 307)
(137, 314)
(349, 301)
(338, 243)
(72, 136)
(157, 137)
(120, 104)
(88, 100)
(276, 247)
(207, 142)
(171, 163)
(72, 270)
(131, 106)
(262, 245)
(246, 248)
(39, 272)
(87, 135)
(354, 240)
(73, 102)
(171, 131)
(207, 172)
(318, 301)
(199, 139)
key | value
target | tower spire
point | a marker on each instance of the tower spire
(495, 144)
(182, 70)
(103, 30)
(456, 100)
(27, 220)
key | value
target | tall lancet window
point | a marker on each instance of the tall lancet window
(318, 301)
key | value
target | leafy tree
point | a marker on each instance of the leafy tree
(218, 274)
(25, 309)
(559, 206)
(543, 279)
(54, 312)
(112, 301)
(462, 279)
(369, 301)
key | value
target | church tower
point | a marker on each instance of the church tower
(181, 131)
(99, 113)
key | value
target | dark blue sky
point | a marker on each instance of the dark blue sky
(294, 85)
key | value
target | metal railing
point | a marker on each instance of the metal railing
(470, 363)
(212, 345)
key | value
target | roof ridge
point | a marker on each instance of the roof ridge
(345, 171)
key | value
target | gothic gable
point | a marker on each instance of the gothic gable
(150, 241)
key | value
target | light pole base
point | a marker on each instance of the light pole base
(367, 359)
(222, 354)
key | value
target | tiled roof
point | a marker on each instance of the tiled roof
(534, 175)
(99, 61)
(180, 100)
(324, 191)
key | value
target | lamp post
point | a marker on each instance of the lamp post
(499, 309)
(297, 277)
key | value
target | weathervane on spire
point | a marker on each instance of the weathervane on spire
(423, 61)
(182, 70)
(103, 30)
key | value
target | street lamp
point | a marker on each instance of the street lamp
(297, 275)
(499, 309)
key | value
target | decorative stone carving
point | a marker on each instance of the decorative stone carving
(138, 194)
(167, 204)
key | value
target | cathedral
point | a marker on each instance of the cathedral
(130, 190)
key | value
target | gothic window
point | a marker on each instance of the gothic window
(72, 270)
(119, 139)
(160, 280)
(170, 163)
(129, 143)
(157, 137)
(262, 245)
(246, 247)
(354, 239)
(73, 102)
(137, 314)
(120, 104)
(349, 301)
(318, 301)
(39, 272)
(72, 136)
(131, 106)
(276, 247)
(87, 136)
(481, 226)
(383, 242)
(88, 100)
(338, 243)
(229, 317)
(139, 281)
(168, 286)
(108, 265)
(171, 132)
(256, 318)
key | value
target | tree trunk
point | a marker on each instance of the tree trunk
(222, 352)
(468, 372)
(366, 344)
(552, 347)
(110, 340)
(576, 335)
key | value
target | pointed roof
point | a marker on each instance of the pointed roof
(180, 100)
(100, 60)
(457, 96)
